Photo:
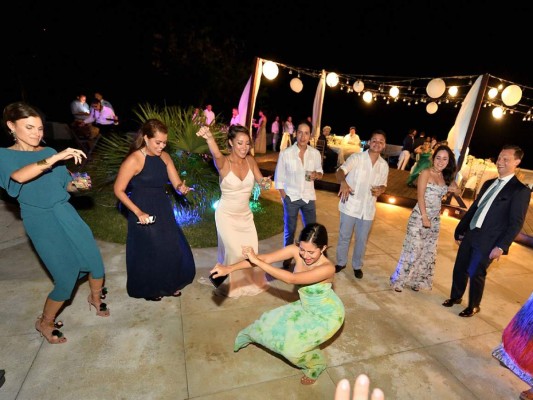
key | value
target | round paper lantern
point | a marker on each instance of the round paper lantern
(394, 91)
(435, 88)
(497, 112)
(493, 92)
(332, 79)
(511, 95)
(367, 96)
(296, 85)
(453, 90)
(270, 70)
(358, 86)
(432, 108)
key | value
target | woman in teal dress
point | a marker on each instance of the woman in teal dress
(424, 162)
(296, 330)
(37, 177)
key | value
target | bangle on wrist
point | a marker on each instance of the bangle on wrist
(44, 163)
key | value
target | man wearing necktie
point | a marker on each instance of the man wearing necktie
(488, 229)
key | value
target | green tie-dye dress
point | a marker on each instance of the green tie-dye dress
(296, 330)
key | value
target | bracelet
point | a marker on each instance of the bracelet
(44, 162)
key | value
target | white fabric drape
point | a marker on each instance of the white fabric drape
(317, 106)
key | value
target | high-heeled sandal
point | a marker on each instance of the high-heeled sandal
(49, 331)
(101, 309)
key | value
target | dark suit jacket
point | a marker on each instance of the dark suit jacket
(505, 217)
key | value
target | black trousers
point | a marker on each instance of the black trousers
(472, 263)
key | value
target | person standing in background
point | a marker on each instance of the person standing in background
(416, 265)
(260, 135)
(488, 229)
(275, 133)
(407, 149)
(297, 169)
(235, 118)
(209, 114)
(37, 177)
(159, 260)
(363, 178)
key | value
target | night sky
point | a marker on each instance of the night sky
(191, 53)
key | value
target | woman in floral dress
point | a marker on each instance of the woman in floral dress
(417, 261)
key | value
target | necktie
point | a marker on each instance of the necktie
(483, 202)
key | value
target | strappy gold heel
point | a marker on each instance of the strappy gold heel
(49, 329)
(101, 309)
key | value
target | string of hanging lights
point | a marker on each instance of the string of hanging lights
(502, 96)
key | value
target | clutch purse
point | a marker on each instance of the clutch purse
(218, 280)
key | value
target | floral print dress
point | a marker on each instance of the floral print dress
(417, 261)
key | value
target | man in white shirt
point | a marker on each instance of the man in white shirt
(363, 178)
(209, 114)
(235, 118)
(298, 167)
(79, 108)
(275, 134)
(352, 137)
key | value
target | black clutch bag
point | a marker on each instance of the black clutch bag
(218, 280)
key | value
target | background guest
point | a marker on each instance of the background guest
(407, 149)
(159, 260)
(38, 179)
(297, 168)
(235, 118)
(260, 134)
(98, 96)
(233, 217)
(302, 326)
(102, 117)
(488, 229)
(275, 133)
(352, 137)
(79, 108)
(330, 157)
(416, 265)
(362, 178)
(209, 114)
(424, 152)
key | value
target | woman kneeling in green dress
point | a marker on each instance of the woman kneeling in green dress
(296, 330)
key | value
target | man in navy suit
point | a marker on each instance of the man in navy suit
(485, 235)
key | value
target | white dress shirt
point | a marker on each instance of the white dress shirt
(290, 172)
(360, 176)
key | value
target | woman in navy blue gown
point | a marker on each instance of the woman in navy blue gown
(159, 260)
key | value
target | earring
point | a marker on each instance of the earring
(14, 134)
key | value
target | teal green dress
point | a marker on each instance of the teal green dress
(423, 163)
(296, 330)
(62, 239)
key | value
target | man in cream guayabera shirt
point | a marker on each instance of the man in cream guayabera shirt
(296, 171)
(363, 178)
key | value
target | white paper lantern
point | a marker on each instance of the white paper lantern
(270, 70)
(358, 86)
(453, 90)
(367, 96)
(394, 91)
(511, 95)
(432, 108)
(435, 88)
(296, 85)
(332, 79)
(497, 112)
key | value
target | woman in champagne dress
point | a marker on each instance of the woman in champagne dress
(260, 137)
(234, 218)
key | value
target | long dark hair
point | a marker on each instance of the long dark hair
(315, 233)
(448, 173)
(149, 128)
(234, 130)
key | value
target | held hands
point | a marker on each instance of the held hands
(205, 133)
(249, 254)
